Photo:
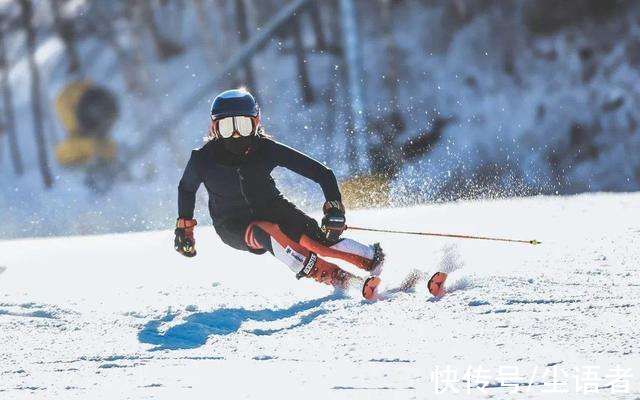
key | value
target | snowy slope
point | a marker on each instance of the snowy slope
(123, 316)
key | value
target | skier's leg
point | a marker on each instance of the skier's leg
(302, 261)
(305, 230)
(267, 235)
(362, 256)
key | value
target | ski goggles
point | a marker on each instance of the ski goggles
(225, 127)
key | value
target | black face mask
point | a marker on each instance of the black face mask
(239, 146)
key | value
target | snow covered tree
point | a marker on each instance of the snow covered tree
(8, 122)
(26, 17)
(65, 30)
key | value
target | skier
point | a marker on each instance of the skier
(249, 213)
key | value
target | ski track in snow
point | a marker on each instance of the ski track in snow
(123, 316)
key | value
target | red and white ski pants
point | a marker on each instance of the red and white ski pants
(303, 257)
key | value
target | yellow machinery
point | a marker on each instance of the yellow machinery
(87, 112)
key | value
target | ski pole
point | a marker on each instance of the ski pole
(356, 228)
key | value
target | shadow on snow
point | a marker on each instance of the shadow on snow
(194, 331)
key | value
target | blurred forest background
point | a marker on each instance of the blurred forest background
(408, 101)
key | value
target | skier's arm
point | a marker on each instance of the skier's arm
(187, 189)
(185, 242)
(306, 166)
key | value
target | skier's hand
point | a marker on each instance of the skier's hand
(185, 242)
(333, 222)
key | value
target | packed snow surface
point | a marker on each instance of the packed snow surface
(124, 316)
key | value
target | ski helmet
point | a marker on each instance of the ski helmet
(234, 103)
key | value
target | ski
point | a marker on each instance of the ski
(435, 284)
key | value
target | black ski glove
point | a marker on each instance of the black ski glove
(333, 222)
(185, 242)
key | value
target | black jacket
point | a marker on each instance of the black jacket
(242, 186)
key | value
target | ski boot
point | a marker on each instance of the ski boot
(436, 284)
(330, 274)
(375, 269)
